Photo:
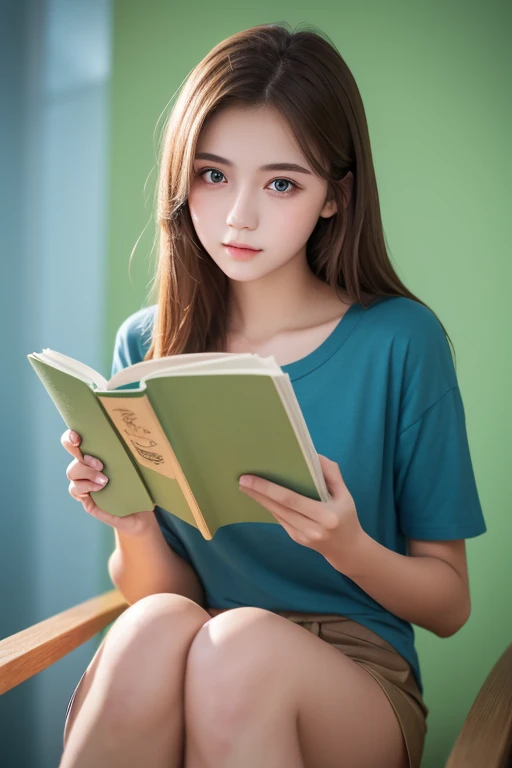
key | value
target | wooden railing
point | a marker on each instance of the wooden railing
(30, 651)
(485, 740)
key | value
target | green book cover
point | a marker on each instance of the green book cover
(182, 438)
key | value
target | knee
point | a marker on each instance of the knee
(143, 662)
(155, 617)
(229, 666)
(154, 627)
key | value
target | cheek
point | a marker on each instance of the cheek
(294, 221)
(203, 212)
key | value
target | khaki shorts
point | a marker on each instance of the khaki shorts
(378, 657)
(383, 662)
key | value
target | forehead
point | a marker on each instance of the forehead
(250, 136)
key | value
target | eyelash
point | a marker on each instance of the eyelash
(275, 192)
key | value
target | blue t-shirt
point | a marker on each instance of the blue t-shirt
(380, 397)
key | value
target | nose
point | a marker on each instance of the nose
(242, 213)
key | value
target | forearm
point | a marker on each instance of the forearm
(425, 591)
(144, 565)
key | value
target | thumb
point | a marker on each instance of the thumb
(332, 476)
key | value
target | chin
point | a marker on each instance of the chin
(242, 275)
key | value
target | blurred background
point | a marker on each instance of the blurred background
(85, 86)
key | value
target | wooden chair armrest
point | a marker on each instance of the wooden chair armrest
(486, 736)
(30, 651)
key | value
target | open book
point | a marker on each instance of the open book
(182, 436)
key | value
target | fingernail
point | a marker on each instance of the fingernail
(92, 462)
(73, 437)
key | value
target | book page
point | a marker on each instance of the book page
(291, 404)
(227, 362)
(70, 365)
(194, 364)
(145, 368)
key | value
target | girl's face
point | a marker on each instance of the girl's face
(234, 198)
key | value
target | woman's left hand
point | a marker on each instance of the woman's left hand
(331, 528)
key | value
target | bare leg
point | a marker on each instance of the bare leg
(128, 710)
(269, 739)
(262, 691)
(232, 720)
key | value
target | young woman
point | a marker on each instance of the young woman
(291, 645)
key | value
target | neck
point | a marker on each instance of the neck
(285, 300)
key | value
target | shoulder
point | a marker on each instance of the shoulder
(413, 330)
(406, 319)
(418, 355)
(138, 324)
(133, 336)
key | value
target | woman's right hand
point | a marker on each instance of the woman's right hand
(83, 472)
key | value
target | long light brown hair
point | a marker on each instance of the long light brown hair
(302, 76)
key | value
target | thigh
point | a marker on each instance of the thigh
(390, 670)
(131, 632)
(253, 658)
(81, 690)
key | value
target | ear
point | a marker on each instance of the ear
(330, 207)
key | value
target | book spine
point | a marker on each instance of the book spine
(142, 433)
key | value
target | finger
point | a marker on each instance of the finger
(82, 470)
(300, 524)
(296, 534)
(71, 447)
(292, 532)
(115, 521)
(281, 495)
(73, 491)
(93, 461)
(279, 512)
(92, 509)
(86, 486)
(78, 488)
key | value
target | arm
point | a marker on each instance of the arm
(428, 587)
(144, 564)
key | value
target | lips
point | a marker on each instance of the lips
(241, 254)
(234, 244)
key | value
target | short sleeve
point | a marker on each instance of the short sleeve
(435, 488)
(426, 363)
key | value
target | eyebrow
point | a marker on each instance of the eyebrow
(269, 167)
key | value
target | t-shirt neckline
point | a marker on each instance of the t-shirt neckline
(331, 344)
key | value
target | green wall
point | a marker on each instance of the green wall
(432, 80)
